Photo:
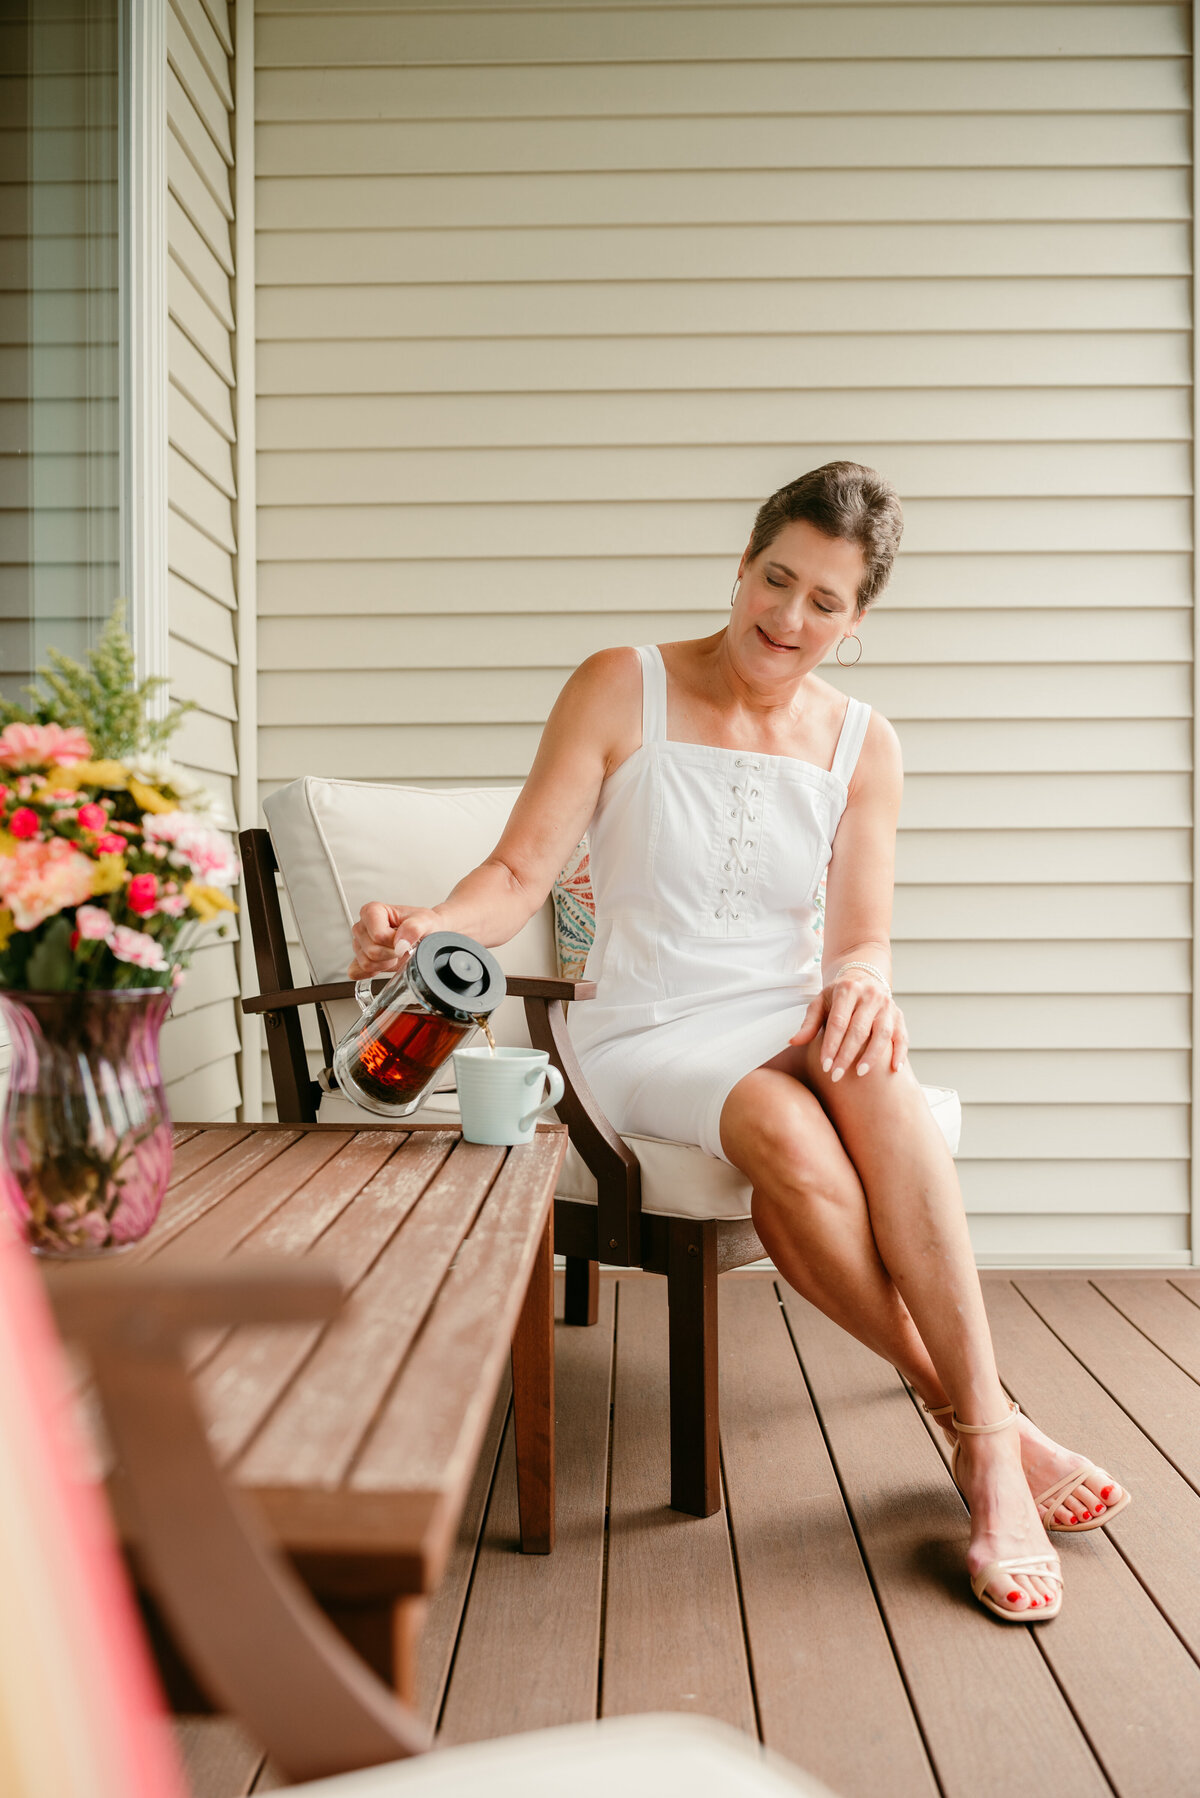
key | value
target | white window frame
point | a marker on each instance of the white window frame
(142, 163)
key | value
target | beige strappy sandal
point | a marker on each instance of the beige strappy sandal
(1043, 1566)
(1049, 1501)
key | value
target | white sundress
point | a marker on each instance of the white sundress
(705, 865)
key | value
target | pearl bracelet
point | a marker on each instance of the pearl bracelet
(870, 968)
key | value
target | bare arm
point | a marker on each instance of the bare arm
(862, 1023)
(555, 806)
(862, 868)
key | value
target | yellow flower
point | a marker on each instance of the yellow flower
(208, 902)
(149, 798)
(109, 876)
(8, 844)
(88, 774)
(7, 926)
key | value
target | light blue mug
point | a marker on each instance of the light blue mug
(496, 1093)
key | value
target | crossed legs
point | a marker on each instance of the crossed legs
(857, 1201)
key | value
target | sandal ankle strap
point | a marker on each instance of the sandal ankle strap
(935, 1410)
(986, 1429)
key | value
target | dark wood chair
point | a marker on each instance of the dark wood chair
(689, 1252)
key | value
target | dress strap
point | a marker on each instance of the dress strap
(654, 695)
(854, 729)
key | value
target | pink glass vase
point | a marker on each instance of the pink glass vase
(86, 1136)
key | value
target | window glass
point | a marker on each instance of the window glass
(59, 328)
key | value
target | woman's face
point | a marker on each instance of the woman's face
(799, 594)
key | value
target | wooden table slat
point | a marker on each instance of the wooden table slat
(317, 1428)
(219, 1231)
(198, 1147)
(296, 1224)
(199, 1192)
(244, 1380)
(458, 1353)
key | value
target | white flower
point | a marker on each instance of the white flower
(156, 769)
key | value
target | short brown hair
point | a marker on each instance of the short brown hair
(842, 499)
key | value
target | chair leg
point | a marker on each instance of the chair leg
(582, 1303)
(692, 1308)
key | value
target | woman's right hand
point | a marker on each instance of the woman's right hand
(385, 936)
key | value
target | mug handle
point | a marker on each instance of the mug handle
(557, 1088)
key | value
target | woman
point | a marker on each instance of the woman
(718, 777)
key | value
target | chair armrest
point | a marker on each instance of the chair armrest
(518, 988)
(251, 1632)
(616, 1168)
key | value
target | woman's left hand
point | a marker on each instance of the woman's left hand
(862, 1023)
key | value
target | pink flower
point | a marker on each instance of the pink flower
(39, 745)
(178, 976)
(207, 853)
(172, 904)
(94, 923)
(93, 817)
(142, 896)
(111, 844)
(42, 879)
(136, 947)
(24, 822)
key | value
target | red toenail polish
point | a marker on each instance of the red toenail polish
(1106, 1491)
(1013, 1597)
(1087, 1513)
(1100, 1508)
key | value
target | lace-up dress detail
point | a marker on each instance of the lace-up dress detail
(705, 866)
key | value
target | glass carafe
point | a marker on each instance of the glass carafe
(390, 1060)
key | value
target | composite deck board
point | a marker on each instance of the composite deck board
(1113, 1635)
(444, 1617)
(1164, 1315)
(827, 1607)
(1157, 1395)
(559, 1664)
(968, 1674)
(813, 1626)
(1061, 1395)
(673, 1637)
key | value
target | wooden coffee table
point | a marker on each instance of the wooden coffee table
(358, 1438)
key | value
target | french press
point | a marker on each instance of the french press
(389, 1061)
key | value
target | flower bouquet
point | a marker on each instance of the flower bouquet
(111, 872)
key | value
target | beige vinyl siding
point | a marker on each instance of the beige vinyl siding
(550, 297)
(200, 1043)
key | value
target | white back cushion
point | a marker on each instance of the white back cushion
(342, 843)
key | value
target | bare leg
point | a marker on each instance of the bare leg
(811, 1214)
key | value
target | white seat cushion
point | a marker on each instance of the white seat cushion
(340, 843)
(655, 1756)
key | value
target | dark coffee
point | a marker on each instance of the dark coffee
(395, 1063)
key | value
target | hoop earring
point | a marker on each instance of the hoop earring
(737, 587)
(850, 637)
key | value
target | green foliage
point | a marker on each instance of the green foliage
(102, 699)
(52, 966)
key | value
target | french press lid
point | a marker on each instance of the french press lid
(457, 975)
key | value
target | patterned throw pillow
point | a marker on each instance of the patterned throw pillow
(574, 914)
